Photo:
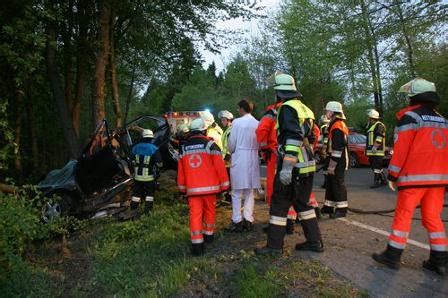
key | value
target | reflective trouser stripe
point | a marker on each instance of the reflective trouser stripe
(307, 214)
(197, 241)
(438, 241)
(135, 199)
(343, 204)
(277, 220)
(207, 232)
(329, 203)
(378, 171)
(149, 199)
(397, 244)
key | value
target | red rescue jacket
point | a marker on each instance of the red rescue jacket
(266, 132)
(201, 168)
(420, 148)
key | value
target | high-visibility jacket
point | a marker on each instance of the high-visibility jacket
(376, 134)
(225, 139)
(266, 132)
(201, 168)
(294, 130)
(316, 133)
(146, 157)
(420, 148)
(337, 142)
(215, 132)
(324, 134)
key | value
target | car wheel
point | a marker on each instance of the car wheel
(51, 210)
(353, 161)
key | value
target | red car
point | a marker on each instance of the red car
(357, 151)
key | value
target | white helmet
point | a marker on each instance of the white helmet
(335, 106)
(147, 133)
(225, 114)
(208, 118)
(284, 82)
(417, 86)
(372, 113)
(198, 125)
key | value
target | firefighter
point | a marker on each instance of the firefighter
(147, 159)
(201, 176)
(323, 150)
(375, 147)
(226, 121)
(336, 203)
(295, 170)
(213, 129)
(419, 169)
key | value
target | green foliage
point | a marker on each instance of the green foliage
(6, 138)
(20, 218)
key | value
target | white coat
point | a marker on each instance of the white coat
(242, 144)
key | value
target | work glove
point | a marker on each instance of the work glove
(374, 149)
(331, 167)
(392, 185)
(286, 173)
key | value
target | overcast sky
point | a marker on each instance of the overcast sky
(250, 28)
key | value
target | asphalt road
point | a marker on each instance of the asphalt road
(350, 242)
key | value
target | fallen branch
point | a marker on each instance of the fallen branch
(8, 188)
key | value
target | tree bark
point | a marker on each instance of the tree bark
(58, 93)
(114, 81)
(18, 132)
(33, 136)
(129, 97)
(101, 61)
(410, 50)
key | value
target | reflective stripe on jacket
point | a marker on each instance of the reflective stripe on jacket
(420, 148)
(225, 139)
(337, 142)
(301, 148)
(201, 168)
(376, 134)
(215, 132)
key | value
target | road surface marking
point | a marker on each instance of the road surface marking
(382, 232)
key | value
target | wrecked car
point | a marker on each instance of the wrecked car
(97, 184)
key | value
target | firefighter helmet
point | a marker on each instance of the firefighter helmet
(198, 125)
(208, 118)
(183, 128)
(225, 114)
(334, 106)
(372, 113)
(284, 82)
(420, 90)
(147, 133)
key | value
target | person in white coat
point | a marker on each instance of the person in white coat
(244, 170)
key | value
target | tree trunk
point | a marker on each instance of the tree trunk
(129, 97)
(114, 81)
(58, 93)
(33, 136)
(101, 61)
(18, 132)
(409, 51)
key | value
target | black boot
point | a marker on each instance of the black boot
(247, 226)
(267, 251)
(235, 227)
(339, 212)
(266, 229)
(437, 262)
(148, 206)
(390, 257)
(209, 238)
(134, 205)
(318, 214)
(376, 180)
(313, 238)
(290, 227)
(327, 210)
(197, 249)
(310, 246)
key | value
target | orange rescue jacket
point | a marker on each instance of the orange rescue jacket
(420, 148)
(266, 132)
(200, 168)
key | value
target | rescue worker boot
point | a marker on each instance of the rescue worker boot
(134, 205)
(148, 207)
(267, 251)
(290, 227)
(266, 229)
(247, 226)
(235, 227)
(209, 238)
(376, 181)
(312, 235)
(318, 214)
(327, 210)
(197, 249)
(383, 178)
(390, 257)
(437, 262)
(339, 212)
